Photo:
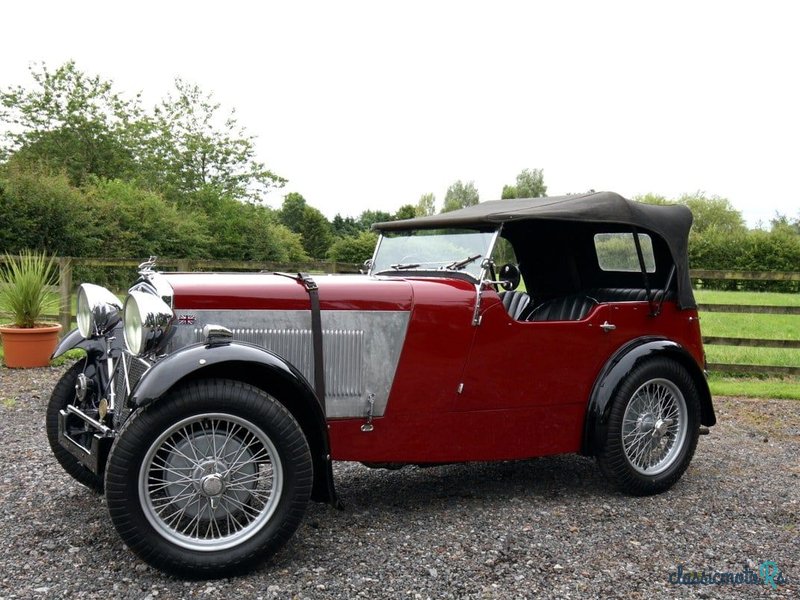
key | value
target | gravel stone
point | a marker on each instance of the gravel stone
(543, 528)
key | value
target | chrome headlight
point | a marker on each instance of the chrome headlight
(148, 320)
(98, 310)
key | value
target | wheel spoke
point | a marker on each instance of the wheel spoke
(210, 480)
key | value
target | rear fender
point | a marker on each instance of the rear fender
(619, 366)
(258, 367)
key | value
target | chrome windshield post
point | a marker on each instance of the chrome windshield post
(485, 264)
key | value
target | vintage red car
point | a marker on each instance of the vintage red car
(506, 330)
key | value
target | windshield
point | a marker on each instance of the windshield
(460, 250)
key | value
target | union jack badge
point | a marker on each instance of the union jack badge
(186, 319)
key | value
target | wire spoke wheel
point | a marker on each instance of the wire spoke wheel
(654, 426)
(210, 481)
(652, 429)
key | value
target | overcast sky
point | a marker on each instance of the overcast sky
(368, 105)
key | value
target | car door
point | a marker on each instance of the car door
(532, 379)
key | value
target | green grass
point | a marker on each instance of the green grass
(762, 298)
(754, 388)
(760, 326)
(776, 327)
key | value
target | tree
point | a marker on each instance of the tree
(407, 211)
(530, 184)
(70, 122)
(78, 124)
(652, 199)
(460, 195)
(370, 217)
(426, 205)
(292, 210)
(353, 249)
(310, 223)
(713, 213)
(192, 146)
(344, 226)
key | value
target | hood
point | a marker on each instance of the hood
(268, 291)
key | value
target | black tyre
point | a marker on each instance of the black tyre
(652, 430)
(64, 394)
(210, 480)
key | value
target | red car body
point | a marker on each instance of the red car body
(434, 356)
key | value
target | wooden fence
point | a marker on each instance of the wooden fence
(67, 287)
(754, 309)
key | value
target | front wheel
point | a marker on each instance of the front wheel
(652, 429)
(210, 480)
(62, 396)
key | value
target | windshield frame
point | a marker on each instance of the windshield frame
(439, 272)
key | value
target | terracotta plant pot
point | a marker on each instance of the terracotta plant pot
(25, 348)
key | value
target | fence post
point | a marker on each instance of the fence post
(65, 292)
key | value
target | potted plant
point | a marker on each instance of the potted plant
(26, 295)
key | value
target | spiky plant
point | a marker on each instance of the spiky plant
(25, 282)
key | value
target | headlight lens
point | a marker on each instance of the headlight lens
(148, 319)
(98, 310)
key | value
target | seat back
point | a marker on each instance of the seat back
(515, 303)
(566, 308)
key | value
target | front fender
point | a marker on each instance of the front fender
(619, 367)
(258, 367)
(74, 339)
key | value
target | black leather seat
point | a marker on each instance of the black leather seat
(515, 303)
(626, 294)
(566, 308)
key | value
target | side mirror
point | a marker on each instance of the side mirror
(509, 276)
(365, 268)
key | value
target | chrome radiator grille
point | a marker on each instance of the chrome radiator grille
(130, 370)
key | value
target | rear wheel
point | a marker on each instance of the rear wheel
(63, 395)
(652, 429)
(211, 479)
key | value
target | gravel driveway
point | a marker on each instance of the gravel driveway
(541, 528)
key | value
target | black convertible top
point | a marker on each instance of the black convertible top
(671, 222)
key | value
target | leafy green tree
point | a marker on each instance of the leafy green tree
(713, 213)
(309, 222)
(123, 220)
(407, 211)
(316, 233)
(530, 184)
(292, 211)
(195, 145)
(783, 223)
(70, 122)
(460, 195)
(76, 123)
(369, 217)
(43, 212)
(344, 226)
(353, 249)
(652, 199)
(426, 205)
(509, 192)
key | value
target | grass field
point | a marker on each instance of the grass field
(785, 327)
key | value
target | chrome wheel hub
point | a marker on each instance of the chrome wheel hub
(212, 485)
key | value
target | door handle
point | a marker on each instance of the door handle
(606, 326)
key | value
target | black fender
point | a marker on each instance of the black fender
(619, 366)
(74, 339)
(258, 367)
